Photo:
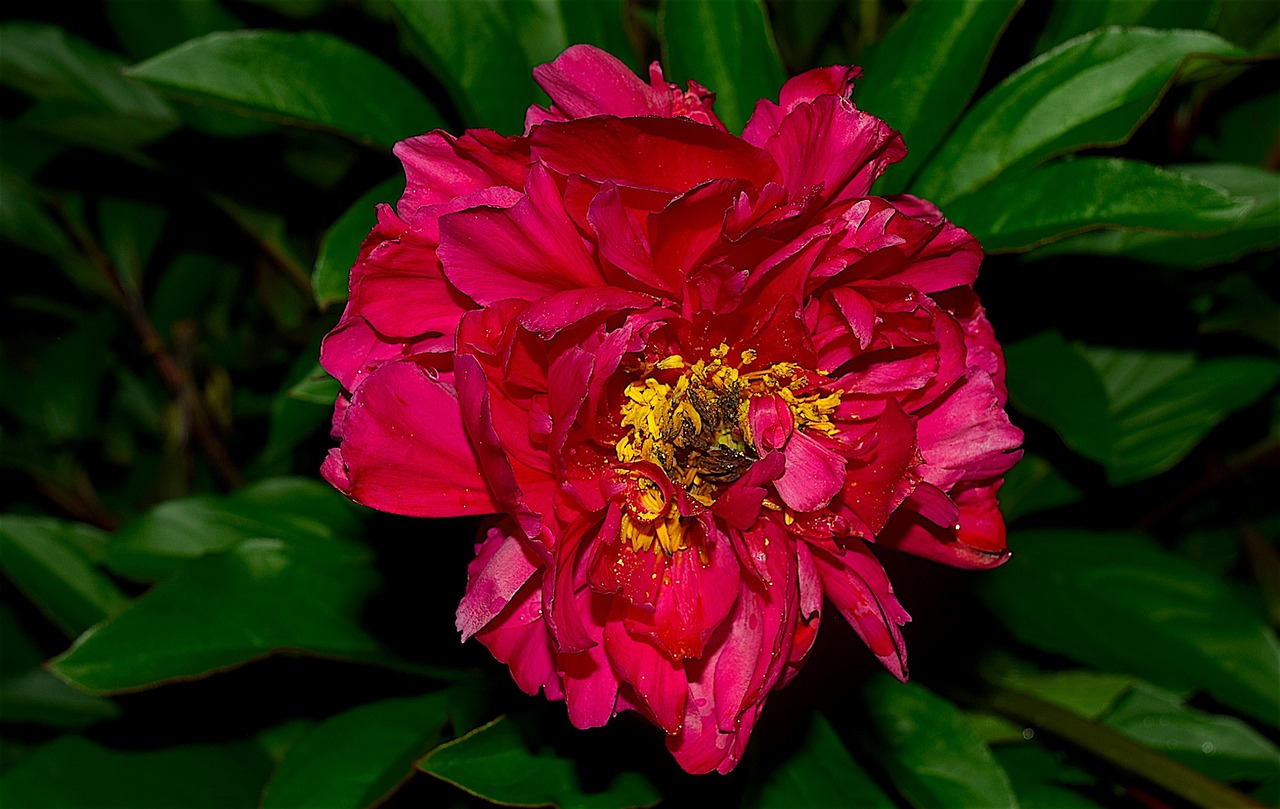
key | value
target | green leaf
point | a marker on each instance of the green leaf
(1081, 691)
(1244, 307)
(819, 772)
(1033, 485)
(494, 762)
(1067, 20)
(177, 531)
(923, 73)
(40, 698)
(40, 556)
(190, 776)
(1156, 425)
(1258, 229)
(1041, 779)
(226, 609)
(930, 750)
(1118, 602)
(1070, 196)
(300, 409)
(70, 77)
(130, 230)
(601, 23)
(356, 758)
(725, 45)
(309, 79)
(342, 241)
(1051, 381)
(1092, 91)
(146, 29)
(24, 220)
(1221, 747)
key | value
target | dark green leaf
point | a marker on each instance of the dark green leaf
(20, 652)
(130, 230)
(1041, 779)
(24, 220)
(726, 46)
(1259, 229)
(177, 531)
(1070, 196)
(39, 555)
(922, 74)
(1051, 381)
(358, 757)
(799, 26)
(929, 749)
(341, 243)
(147, 28)
(1119, 603)
(262, 596)
(495, 763)
(601, 23)
(1067, 20)
(74, 773)
(300, 409)
(40, 698)
(1081, 691)
(1157, 424)
(820, 772)
(184, 289)
(1222, 747)
(1093, 90)
(1033, 485)
(308, 79)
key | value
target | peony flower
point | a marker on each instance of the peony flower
(696, 377)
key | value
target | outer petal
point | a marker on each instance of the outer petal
(590, 686)
(814, 474)
(439, 167)
(585, 81)
(501, 567)
(968, 436)
(518, 637)
(858, 587)
(658, 681)
(404, 448)
(766, 119)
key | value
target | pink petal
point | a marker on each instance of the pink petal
(439, 167)
(405, 450)
(585, 81)
(860, 590)
(814, 474)
(518, 638)
(771, 422)
(976, 541)
(836, 81)
(590, 686)
(658, 681)
(501, 567)
(556, 312)
(694, 599)
(968, 437)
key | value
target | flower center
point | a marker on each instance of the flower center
(694, 421)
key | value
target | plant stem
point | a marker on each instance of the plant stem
(1119, 751)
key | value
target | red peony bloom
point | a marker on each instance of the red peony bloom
(697, 375)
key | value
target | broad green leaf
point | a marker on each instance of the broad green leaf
(1092, 91)
(474, 47)
(69, 77)
(1041, 779)
(1258, 229)
(177, 531)
(1071, 196)
(1156, 427)
(342, 241)
(357, 757)
(1033, 485)
(494, 762)
(38, 697)
(930, 750)
(819, 772)
(74, 773)
(310, 79)
(1081, 691)
(40, 556)
(922, 74)
(260, 597)
(1067, 20)
(1118, 602)
(725, 45)
(601, 23)
(1051, 381)
(1222, 747)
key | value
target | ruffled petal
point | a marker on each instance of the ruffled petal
(502, 566)
(859, 588)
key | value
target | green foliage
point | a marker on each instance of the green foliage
(183, 189)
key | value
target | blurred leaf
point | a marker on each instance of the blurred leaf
(493, 762)
(225, 609)
(130, 230)
(1251, 24)
(189, 776)
(40, 557)
(24, 220)
(1259, 229)
(799, 25)
(1221, 747)
(1092, 91)
(1033, 485)
(1120, 603)
(923, 73)
(1067, 20)
(317, 387)
(356, 758)
(24, 155)
(20, 652)
(147, 28)
(298, 9)
(183, 289)
(1074, 195)
(819, 772)
(1156, 425)
(601, 23)
(342, 241)
(929, 749)
(177, 531)
(1081, 691)
(1041, 779)
(1245, 133)
(309, 79)
(40, 698)
(302, 407)
(70, 77)
(269, 231)
(725, 45)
